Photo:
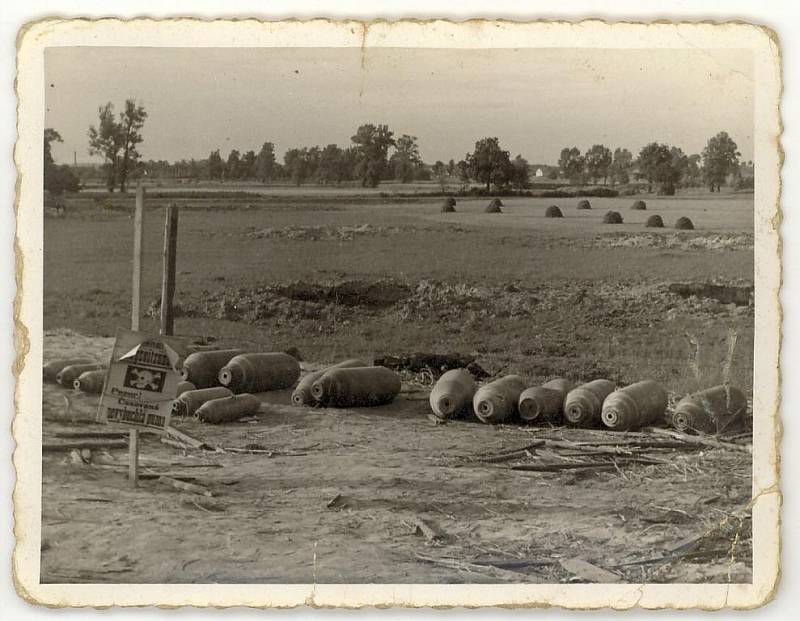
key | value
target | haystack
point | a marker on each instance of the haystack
(639, 206)
(553, 212)
(654, 222)
(494, 206)
(612, 217)
(684, 224)
(584, 204)
(449, 205)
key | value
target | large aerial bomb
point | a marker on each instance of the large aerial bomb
(228, 409)
(202, 367)
(183, 387)
(67, 376)
(356, 387)
(545, 402)
(721, 409)
(51, 369)
(187, 403)
(260, 372)
(452, 393)
(584, 404)
(584, 204)
(635, 406)
(302, 393)
(90, 381)
(497, 401)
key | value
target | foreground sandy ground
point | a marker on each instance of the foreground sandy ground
(382, 496)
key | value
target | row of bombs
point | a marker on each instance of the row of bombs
(348, 384)
(591, 405)
(217, 385)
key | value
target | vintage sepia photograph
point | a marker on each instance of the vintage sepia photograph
(442, 306)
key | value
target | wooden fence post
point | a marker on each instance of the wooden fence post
(138, 252)
(168, 280)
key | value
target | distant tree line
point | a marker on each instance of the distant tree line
(660, 165)
(374, 154)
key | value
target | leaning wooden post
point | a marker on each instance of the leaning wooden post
(138, 250)
(168, 280)
(133, 457)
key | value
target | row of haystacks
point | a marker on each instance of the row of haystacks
(554, 211)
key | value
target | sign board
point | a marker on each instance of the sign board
(141, 382)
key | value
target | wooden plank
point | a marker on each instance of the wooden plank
(51, 447)
(133, 456)
(588, 572)
(138, 255)
(168, 278)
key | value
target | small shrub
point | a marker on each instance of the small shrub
(612, 217)
(639, 206)
(494, 206)
(584, 204)
(667, 189)
(684, 224)
(557, 194)
(600, 192)
(553, 212)
(448, 205)
(654, 222)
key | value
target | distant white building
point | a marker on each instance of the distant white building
(539, 172)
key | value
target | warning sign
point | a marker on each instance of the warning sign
(142, 380)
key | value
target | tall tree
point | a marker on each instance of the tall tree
(216, 167)
(233, 165)
(656, 165)
(248, 168)
(451, 167)
(50, 136)
(489, 163)
(520, 173)
(57, 179)
(329, 169)
(572, 164)
(372, 142)
(720, 158)
(130, 126)
(598, 160)
(265, 162)
(105, 140)
(405, 160)
(621, 166)
(298, 165)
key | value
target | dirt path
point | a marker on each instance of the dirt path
(336, 496)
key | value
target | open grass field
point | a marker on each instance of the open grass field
(361, 275)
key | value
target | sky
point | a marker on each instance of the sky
(536, 101)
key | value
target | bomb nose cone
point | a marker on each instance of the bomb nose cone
(317, 391)
(76, 384)
(529, 409)
(681, 421)
(230, 376)
(300, 397)
(576, 412)
(486, 408)
(446, 405)
(611, 417)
